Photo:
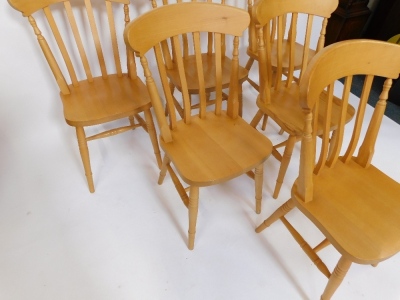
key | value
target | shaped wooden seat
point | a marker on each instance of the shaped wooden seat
(278, 98)
(354, 204)
(208, 62)
(208, 147)
(97, 98)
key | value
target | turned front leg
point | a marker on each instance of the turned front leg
(336, 278)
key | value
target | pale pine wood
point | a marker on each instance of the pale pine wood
(354, 204)
(113, 35)
(292, 52)
(78, 40)
(325, 243)
(277, 56)
(211, 146)
(96, 38)
(84, 151)
(193, 209)
(59, 77)
(307, 249)
(61, 45)
(337, 277)
(191, 61)
(258, 178)
(92, 100)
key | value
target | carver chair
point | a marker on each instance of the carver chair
(354, 204)
(208, 61)
(211, 146)
(279, 99)
(91, 99)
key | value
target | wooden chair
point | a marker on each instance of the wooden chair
(279, 99)
(94, 99)
(208, 61)
(208, 147)
(354, 204)
(290, 48)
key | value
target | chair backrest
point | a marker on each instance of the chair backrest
(151, 29)
(341, 61)
(274, 36)
(186, 37)
(67, 25)
(253, 31)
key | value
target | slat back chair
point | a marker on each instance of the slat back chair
(354, 204)
(209, 146)
(294, 48)
(278, 98)
(207, 60)
(116, 92)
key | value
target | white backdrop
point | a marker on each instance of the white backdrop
(127, 240)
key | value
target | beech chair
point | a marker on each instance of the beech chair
(92, 99)
(211, 146)
(208, 61)
(279, 99)
(354, 204)
(292, 51)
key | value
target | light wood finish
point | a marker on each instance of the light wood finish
(292, 51)
(279, 99)
(208, 63)
(354, 204)
(94, 99)
(211, 146)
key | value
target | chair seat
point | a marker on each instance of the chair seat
(211, 151)
(209, 73)
(104, 100)
(372, 211)
(298, 55)
(286, 111)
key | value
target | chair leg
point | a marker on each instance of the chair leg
(258, 178)
(83, 149)
(193, 209)
(287, 155)
(264, 123)
(249, 64)
(280, 212)
(257, 118)
(132, 121)
(153, 136)
(164, 169)
(322, 245)
(336, 278)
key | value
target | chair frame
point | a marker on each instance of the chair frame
(207, 58)
(278, 99)
(82, 88)
(311, 193)
(220, 130)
